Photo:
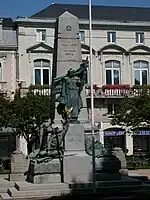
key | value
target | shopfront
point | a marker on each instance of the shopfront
(141, 142)
(114, 138)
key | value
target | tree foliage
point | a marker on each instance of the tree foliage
(5, 112)
(25, 115)
(29, 114)
(133, 112)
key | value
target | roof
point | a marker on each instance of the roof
(110, 13)
(8, 23)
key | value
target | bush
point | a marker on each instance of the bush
(138, 162)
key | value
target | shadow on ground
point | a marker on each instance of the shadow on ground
(120, 189)
(101, 197)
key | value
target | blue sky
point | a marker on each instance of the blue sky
(13, 8)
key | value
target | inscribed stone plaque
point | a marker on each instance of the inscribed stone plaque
(69, 50)
(74, 140)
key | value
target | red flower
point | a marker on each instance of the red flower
(117, 86)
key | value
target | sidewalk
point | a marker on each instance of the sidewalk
(144, 172)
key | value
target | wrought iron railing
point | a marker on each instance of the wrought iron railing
(104, 92)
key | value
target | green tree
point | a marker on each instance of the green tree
(29, 114)
(133, 112)
(5, 112)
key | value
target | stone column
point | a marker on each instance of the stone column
(101, 136)
(17, 143)
(129, 144)
(19, 163)
(23, 146)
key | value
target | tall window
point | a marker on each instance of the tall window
(112, 108)
(42, 72)
(139, 37)
(112, 72)
(111, 37)
(141, 72)
(41, 35)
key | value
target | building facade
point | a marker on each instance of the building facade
(121, 59)
(8, 56)
(8, 77)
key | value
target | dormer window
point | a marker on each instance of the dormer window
(111, 36)
(41, 35)
(139, 37)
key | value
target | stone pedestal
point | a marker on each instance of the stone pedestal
(45, 172)
(77, 164)
(107, 168)
(117, 151)
(19, 165)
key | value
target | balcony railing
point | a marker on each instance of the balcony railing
(120, 91)
(108, 91)
(41, 90)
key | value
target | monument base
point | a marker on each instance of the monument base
(77, 164)
(108, 168)
(77, 168)
(46, 172)
(108, 176)
(117, 151)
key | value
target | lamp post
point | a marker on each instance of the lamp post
(92, 100)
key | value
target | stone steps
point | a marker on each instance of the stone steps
(27, 191)
(4, 185)
(5, 196)
(139, 177)
(13, 192)
(25, 186)
(123, 182)
(47, 193)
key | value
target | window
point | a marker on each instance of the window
(112, 72)
(114, 141)
(42, 72)
(141, 144)
(0, 72)
(82, 36)
(111, 37)
(141, 72)
(139, 38)
(41, 35)
(112, 108)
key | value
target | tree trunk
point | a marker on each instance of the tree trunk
(29, 147)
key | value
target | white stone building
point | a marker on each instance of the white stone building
(121, 58)
(8, 55)
(8, 76)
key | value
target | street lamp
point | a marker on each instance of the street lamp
(92, 99)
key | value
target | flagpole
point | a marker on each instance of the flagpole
(92, 99)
